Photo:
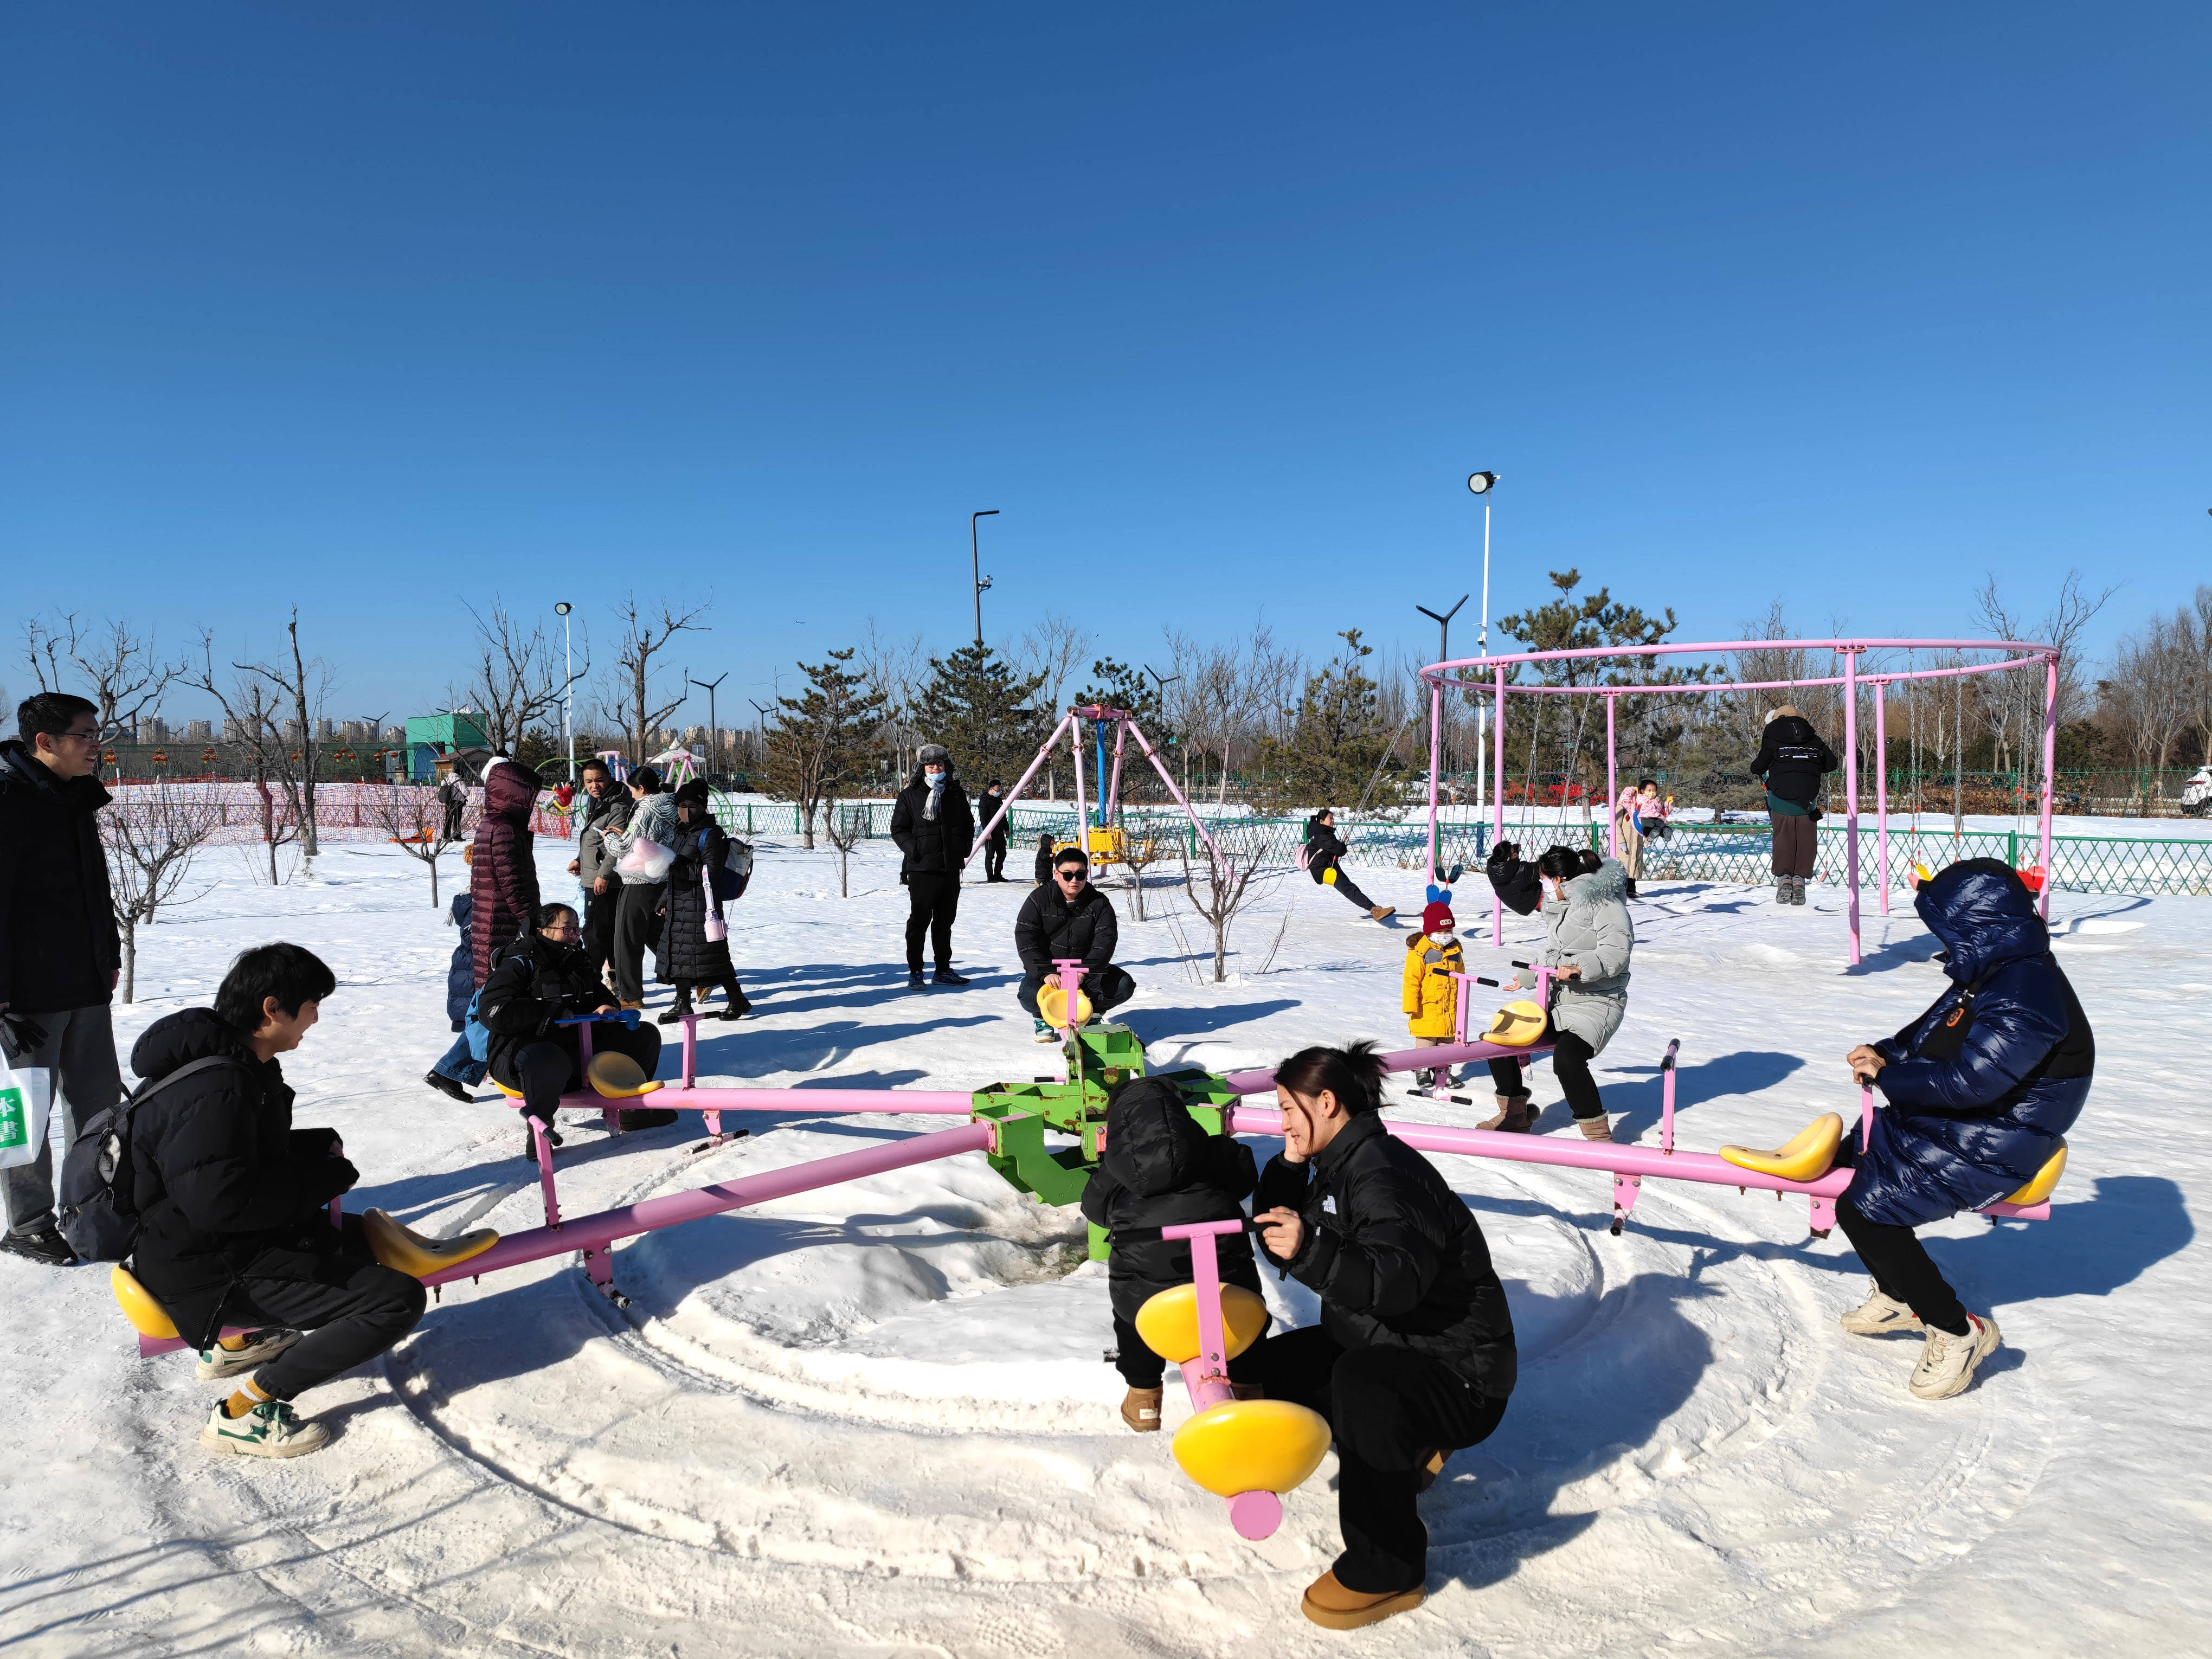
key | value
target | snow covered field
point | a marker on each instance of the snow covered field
(874, 1421)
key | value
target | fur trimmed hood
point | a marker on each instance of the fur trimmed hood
(1606, 884)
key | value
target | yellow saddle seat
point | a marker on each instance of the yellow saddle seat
(618, 1077)
(1805, 1156)
(1516, 1025)
(403, 1248)
(148, 1317)
(1251, 1445)
(1169, 1323)
(2046, 1180)
(511, 1094)
(1052, 1007)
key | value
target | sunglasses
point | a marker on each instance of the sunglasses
(1072, 875)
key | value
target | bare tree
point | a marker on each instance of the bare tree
(252, 728)
(631, 699)
(2011, 705)
(416, 820)
(1140, 848)
(1051, 653)
(1219, 887)
(519, 678)
(892, 671)
(300, 685)
(123, 671)
(845, 826)
(151, 840)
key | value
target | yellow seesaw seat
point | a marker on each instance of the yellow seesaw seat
(1052, 1009)
(1169, 1321)
(146, 1316)
(618, 1077)
(1806, 1156)
(2045, 1180)
(403, 1248)
(1251, 1445)
(1516, 1025)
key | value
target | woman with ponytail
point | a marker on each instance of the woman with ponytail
(1588, 939)
(1413, 1358)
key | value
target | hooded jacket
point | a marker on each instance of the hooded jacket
(1793, 760)
(503, 879)
(1394, 1255)
(1051, 927)
(1592, 930)
(58, 944)
(1324, 848)
(461, 972)
(687, 955)
(1430, 995)
(1981, 1086)
(987, 808)
(534, 981)
(225, 1188)
(1515, 880)
(940, 844)
(1161, 1169)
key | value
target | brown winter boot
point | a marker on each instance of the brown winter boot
(1382, 912)
(1330, 1605)
(1595, 1128)
(1140, 1410)
(1512, 1115)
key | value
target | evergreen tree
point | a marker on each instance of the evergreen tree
(1336, 753)
(979, 708)
(1118, 685)
(822, 742)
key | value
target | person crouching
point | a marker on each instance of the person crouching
(1430, 995)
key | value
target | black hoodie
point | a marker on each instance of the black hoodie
(1160, 1169)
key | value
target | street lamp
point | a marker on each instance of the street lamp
(1482, 483)
(975, 567)
(569, 687)
(713, 731)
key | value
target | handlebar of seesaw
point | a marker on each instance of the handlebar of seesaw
(1242, 1224)
(1672, 1048)
(627, 1016)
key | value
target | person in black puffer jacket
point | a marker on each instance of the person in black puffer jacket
(1160, 1169)
(1065, 920)
(231, 1202)
(1324, 860)
(1414, 1356)
(687, 957)
(1794, 761)
(541, 978)
(934, 829)
(1515, 880)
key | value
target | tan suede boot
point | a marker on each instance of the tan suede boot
(1381, 912)
(1140, 1410)
(1513, 1115)
(1330, 1605)
(1595, 1129)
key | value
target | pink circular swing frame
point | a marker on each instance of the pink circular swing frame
(1481, 675)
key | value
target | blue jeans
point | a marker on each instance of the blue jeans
(461, 1064)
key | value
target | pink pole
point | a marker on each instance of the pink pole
(1611, 784)
(1866, 1117)
(1114, 790)
(1168, 778)
(1850, 789)
(1498, 904)
(802, 1103)
(1667, 1099)
(984, 834)
(1881, 793)
(1406, 1059)
(1436, 765)
(2050, 766)
(1082, 824)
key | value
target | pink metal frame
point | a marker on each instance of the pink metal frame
(1256, 1515)
(1126, 727)
(1460, 672)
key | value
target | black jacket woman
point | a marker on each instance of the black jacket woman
(1414, 1356)
(1324, 861)
(1792, 761)
(689, 959)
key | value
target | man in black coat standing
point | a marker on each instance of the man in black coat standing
(1068, 919)
(58, 949)
(935, 828)
(987, 807)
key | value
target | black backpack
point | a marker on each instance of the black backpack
(96, 1208)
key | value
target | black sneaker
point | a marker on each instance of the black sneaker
(446, 1086)
(914, 979)
(946, 976)
(41, 1244)
(674, 1016)
(643, 1117)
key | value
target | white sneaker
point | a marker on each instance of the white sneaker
(1947, 1363)
(1880, 1314)
(219, 1362)
(271, 1429)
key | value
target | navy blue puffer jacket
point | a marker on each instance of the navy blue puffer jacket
(1982, 1085)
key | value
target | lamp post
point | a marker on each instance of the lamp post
(568, 689)
(1436, 721)
(1482, 483)
(761, 731)
(714, 731)
(975, 567)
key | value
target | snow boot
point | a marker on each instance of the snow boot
(1333, 1607)
(1140, 1410)
(272, 1429)
(1782, 890)
(640, 1006)
(1382, 912)
(1513, 1117)
(256, 1349)
(1880, 1314)
(447, 1087)
(946, 976)
(1798, 889)
(1595, 1128)
(675, 1015)
(1947, 1364)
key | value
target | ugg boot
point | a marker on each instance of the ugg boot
(1333, 1607)
(1382, 912)
(1595, 1128)
(1140, 1409)
(1513, 1115)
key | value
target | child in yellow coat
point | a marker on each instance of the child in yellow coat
(1432, 995)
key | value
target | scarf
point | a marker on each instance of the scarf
(936, 794)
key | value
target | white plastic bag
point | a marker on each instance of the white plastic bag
(647, 859)
(26, 1099)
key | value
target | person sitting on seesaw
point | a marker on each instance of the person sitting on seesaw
(543, 977)
(1065, 920)
(1588, 939)
(1979, 1089)
(1160, 1169)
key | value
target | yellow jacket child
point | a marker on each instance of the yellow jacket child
(1431, 996)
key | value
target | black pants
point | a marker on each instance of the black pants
(1903, 1270)
(994, 859)
(1141, 1368)
(637, 923)
(1350, 888)
(1795, 843)
(600, 910)
(1108, 986)
(1389, 1408)
(932, 900)
(1570, 1058)
(353, 1310)
(550, 1067)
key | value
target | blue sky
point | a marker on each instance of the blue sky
(385, 310)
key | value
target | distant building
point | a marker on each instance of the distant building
(233, 729)
(199, 731)
(429, 736)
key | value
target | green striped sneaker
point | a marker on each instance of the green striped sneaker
(271, 1429)
(217, 1363)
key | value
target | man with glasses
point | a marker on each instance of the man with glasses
(58, 949)
(1066, 919)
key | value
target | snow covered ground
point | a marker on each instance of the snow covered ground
(874, 1421)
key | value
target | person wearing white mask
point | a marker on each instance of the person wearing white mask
(935, 828)
(1432, 956)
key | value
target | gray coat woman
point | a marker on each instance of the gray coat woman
(637, 919)
(1588, 940)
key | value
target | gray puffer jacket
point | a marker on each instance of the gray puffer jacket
(1591, 930)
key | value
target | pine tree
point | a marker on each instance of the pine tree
(979, 708)
(822, 742)
(1337, 751)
